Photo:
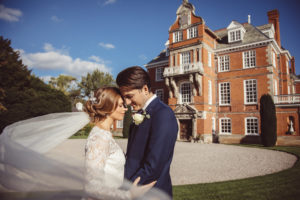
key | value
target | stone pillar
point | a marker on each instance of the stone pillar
(193, 85)
(167, 82)
(173, 83)
(194, 125)
(198, 78)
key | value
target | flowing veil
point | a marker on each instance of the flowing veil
(26, 172)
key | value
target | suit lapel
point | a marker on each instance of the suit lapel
(150, 107)
(135, 128)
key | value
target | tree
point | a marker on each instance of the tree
(93, 81)
(23, 95)
(2, 96)
(127, 121)
(268, 121)
(62, 83)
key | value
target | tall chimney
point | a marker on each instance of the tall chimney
(293, 65)
(273, 16)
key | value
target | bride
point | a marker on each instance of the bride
(26, 171)
(104, 157)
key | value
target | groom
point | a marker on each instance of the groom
(152, 136)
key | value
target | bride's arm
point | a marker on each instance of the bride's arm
(97, 186)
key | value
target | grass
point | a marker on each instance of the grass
(78, 137)
(284, 185)
(86, 136)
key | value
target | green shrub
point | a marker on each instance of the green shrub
(127, 121)
(268, 121)
(85, 131)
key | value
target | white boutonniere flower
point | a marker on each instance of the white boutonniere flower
(138, 118)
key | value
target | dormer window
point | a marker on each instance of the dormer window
(192, 32)
(234, 36)
(177, 36)
(236, 32)
(269, 31)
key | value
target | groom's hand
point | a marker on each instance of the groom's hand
(138, 191)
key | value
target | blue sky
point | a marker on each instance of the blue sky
(74, 37)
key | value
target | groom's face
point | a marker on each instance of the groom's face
(136, 97)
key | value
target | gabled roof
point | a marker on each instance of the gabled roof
(234, 24)
(160, 58)
(252, 34)
(264, 27)
(185, 109)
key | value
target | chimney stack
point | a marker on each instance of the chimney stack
(273, 17)
(293, 70)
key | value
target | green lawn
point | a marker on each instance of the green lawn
(86, 136)
(284, 185)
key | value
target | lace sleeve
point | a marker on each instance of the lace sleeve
(97, 181)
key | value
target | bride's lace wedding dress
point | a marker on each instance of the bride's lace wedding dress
(26, 168)
(104, 162)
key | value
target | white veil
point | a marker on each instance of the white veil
(27, 173)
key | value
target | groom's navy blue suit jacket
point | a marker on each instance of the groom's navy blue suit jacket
(151, 145)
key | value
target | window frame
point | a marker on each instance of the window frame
(177, 36)
(245, 93)
(190, 93)
(224, 62)
(228, 96)
(157, 73)
(192, 32)
(162, 91)
(209, 60)
(234, 35)
(248, 59)
(209, 92)
(119, 122)
(246, 126)
(228, 122)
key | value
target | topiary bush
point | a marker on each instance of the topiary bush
(126, 122)
(268, 121)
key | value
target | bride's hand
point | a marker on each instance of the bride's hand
(138, 191)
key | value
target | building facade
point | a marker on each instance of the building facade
(213, 80)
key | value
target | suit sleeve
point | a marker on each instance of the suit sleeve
(161, 146)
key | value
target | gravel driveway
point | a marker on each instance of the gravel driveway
(204, 163)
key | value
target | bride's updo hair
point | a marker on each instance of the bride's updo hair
(105, 102)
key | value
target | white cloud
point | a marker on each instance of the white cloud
(107, 46)
(99, 60)
(10, 14)
(56, 19)
(53, 59)
(143, 57)
(96, 59)
(48, 48)
(109, 2)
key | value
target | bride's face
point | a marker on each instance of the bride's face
(119, 113)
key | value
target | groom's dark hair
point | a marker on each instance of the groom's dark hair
(132, 78)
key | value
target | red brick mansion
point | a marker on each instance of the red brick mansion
(213, 80)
